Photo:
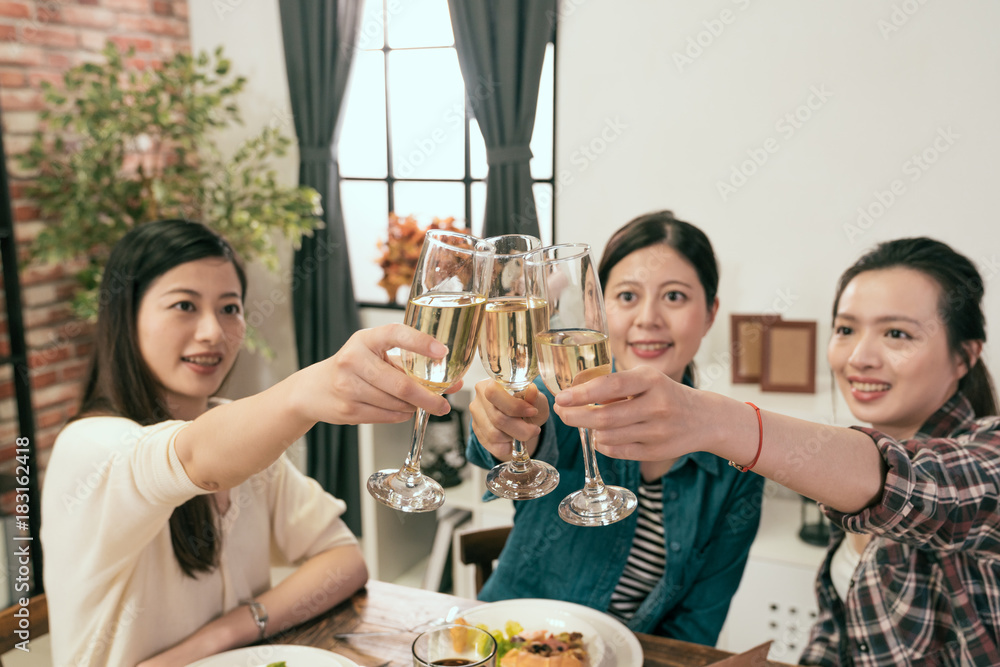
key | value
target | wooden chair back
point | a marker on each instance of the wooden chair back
(11, 618)
(480, 548)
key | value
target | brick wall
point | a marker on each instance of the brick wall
(39, 40)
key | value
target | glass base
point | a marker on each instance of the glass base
(406, 492)
(535, 481)
(587, 508)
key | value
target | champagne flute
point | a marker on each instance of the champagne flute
(446, 300)
(515, 310)
(573, 348)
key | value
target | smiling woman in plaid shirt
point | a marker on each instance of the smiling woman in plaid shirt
(912, 576)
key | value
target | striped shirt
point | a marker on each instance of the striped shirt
(647, 557)
(927, 589)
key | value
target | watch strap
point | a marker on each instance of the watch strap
(259, 614)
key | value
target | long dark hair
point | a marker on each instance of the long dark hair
(663, 228)
(960, 305)
(120, 383)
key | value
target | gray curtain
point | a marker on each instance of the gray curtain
(501, 46)
(320, 37)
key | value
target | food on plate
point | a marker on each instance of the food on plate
(276, 664)
(544, 649)
(538, 648)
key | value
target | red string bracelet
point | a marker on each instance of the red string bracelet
(760, 442)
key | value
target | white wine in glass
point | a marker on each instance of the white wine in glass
(447, 299)
(573, 348)
(447, 317)
(574, 356)
(515, 311)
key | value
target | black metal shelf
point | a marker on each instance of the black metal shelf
(18, 359)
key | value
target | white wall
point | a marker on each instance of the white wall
(664, 133)
(250, 33)
(640, 128)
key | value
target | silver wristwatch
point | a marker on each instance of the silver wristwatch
(259, 614)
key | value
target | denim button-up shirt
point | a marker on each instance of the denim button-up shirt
(710, 516)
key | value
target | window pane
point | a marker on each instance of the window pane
(427, 201)
(478, 208)
(541, 137)
(427, 113)
(477, 150)
(414, 23)
(366, 219)
(372, 34)
(362, 138)
(543, 202)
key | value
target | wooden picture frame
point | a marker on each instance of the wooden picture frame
(746, 340)
(788, 361)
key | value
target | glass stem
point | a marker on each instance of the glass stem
(411, 467)
(520, 459)
(593, 484)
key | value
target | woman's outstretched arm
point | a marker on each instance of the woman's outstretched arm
(226, 445)
(839, 467)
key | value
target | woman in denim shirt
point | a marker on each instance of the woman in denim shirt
(672, 567)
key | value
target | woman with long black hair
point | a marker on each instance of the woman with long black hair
(162, 504)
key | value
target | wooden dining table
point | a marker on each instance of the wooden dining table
(401, 612)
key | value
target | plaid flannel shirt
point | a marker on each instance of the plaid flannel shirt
(927, 589)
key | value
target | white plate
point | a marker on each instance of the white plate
(260, 656)
(609, 642)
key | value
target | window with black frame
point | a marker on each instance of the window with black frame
(409, 144)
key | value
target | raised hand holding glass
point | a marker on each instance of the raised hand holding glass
(516, 309)
(573, 348)
(446, 301)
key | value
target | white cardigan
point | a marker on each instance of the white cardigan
(116, 594)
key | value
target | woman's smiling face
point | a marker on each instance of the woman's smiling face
(889, 350)
(657, 315)
(190, 328)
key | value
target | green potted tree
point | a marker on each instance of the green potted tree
(118, 147)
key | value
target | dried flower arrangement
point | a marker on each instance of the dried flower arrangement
(401, 250)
